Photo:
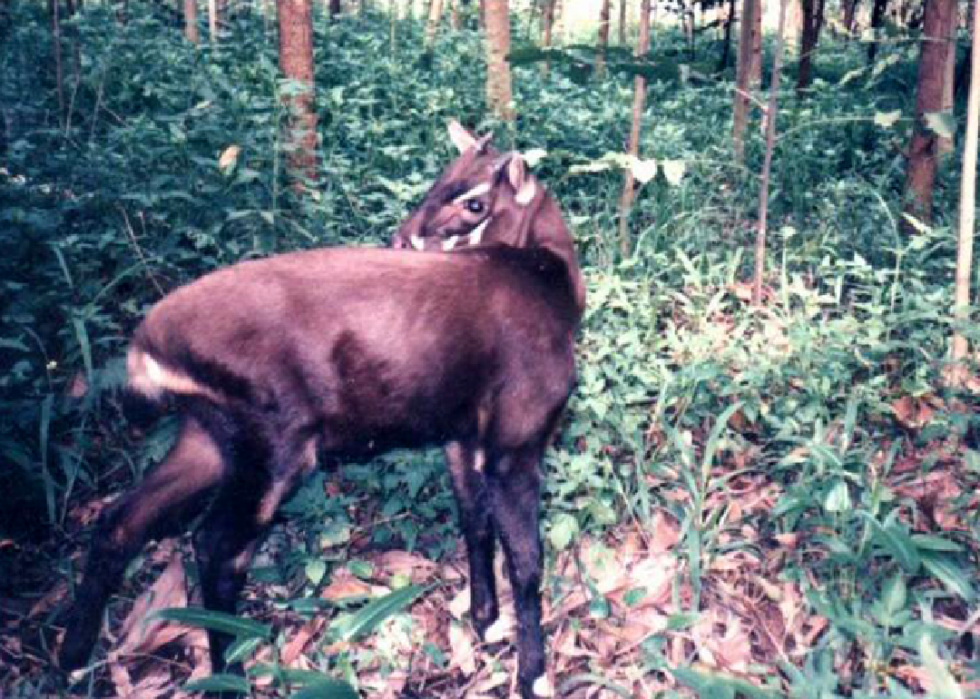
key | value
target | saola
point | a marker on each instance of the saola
(350, 352)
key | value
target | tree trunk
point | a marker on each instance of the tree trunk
(603, 43)
(59, 78)
(968, 195)
(727, 44)
(296, 63)
(622, 22)
(812, 11)
(921, 172)
(877, 17)
(432, 26)
(454, 20)
(743, 73)
(499, 94)
(190, 21)
(850, 12)
(547, 27)
(482, 16)
(944, 145)
(639, 97)
(213, 21)
(755, 77)
(771, 112)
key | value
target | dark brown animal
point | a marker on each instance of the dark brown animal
(351, 352)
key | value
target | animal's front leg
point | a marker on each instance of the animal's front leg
(514, 486)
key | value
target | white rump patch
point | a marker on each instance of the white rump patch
(477, 191)
(450, 243)
(417, 242)
(151, 378)
(476, 236)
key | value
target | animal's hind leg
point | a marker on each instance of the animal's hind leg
(264, 474)
(172, 493)
(470, 488)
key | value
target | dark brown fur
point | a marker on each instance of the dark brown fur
(350, 352)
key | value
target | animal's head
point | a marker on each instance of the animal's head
(484, 196)
(487, 197)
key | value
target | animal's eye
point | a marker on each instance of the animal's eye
(474, 206)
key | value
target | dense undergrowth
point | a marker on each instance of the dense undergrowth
(796, 468)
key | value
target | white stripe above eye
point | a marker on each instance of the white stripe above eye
(481, 188)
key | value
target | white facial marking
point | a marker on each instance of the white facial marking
(480, 189)
(417, 242)
(479, 460)
(450, 243)
(476, 236)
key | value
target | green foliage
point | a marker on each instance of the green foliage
(685, 391)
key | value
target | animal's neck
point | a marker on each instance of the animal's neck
(547, 230)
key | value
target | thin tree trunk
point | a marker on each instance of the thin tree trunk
(603, 43)
(771, 111)
(213, 21)
(296, 63)
(921, 173)
(190, 21)
(622, 22)
(482, 16)
(944, 145)
(743, 72)
(547, 28)
(499, 95)
(877, 17)
(454, 20)
(755, 77)
(432, 26)
(54, 10)
(639, 97)
(850, 12)
(968, 194)
(727, 45)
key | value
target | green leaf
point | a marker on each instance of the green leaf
(887, 120)
(326, 688)
(564, 529)
(942, 684)
(838, 498)
(371, 615)
(216, 621)
(897, 542)
(943, 124)
(674, 171)
(242, 648)
(224, 682)
(950, 573)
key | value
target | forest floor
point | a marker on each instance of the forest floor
(778, 500)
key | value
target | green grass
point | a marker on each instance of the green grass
(776, 500)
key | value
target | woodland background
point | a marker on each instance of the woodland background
(767, 480)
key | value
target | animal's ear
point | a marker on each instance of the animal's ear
(520, 179)
(461, 138)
